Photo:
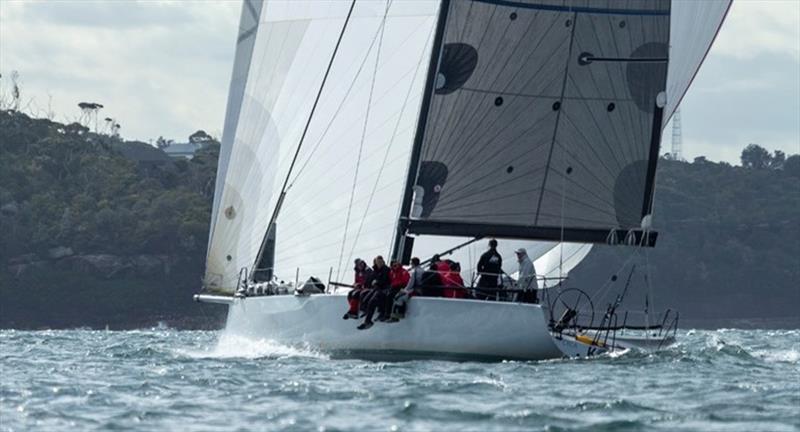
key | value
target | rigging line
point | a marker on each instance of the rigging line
(363, 136)
(303, 136)
(295, 220)
(342, 103)
(563, 201)
(606, 288)
(327, 227)
(391, 142)
(649, 305)
(332, 91)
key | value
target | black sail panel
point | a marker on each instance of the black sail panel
(542, 117)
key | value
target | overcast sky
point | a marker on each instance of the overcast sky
(163, 68)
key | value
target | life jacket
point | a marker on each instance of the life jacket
(361, 276)
(398, 277)
(452, 281)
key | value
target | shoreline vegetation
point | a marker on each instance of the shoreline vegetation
(98, 232)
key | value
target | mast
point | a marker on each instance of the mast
(402, 244)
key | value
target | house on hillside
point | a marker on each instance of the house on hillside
(142, 153)
(181, 150)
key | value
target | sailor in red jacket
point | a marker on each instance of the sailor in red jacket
(399, 278)
(362, 275)
(451, 279)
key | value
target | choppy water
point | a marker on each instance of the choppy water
(178, 380)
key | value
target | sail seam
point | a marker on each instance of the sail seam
(558, 116)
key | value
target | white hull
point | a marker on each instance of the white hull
(433, 327)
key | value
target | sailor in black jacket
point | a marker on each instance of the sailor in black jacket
(378, 285)
(490, 267)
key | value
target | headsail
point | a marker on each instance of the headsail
(560, 260)
(694, 26)
(385, 44)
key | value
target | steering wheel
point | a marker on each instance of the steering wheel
(568, 300)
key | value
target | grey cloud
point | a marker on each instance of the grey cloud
(118, 14)
(734, 102)
(164, 69)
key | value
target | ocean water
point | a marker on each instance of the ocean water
(161, 379)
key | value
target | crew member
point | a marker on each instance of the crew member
(432, 280)
(398, 277)
(379, 287)
(452, 281)
(527, 278)
(412, 288)
(490, 267)
(362, 274)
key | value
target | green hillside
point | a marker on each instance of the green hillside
(96, 230)
(100, 231)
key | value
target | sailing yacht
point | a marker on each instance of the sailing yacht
(406, 128)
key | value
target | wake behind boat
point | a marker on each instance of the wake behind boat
(357, 129)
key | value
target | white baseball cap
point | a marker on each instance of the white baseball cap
(521, 251)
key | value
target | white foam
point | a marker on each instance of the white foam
(238, 346)
(783, 356)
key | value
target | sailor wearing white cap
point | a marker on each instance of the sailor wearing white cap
(527, 276)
